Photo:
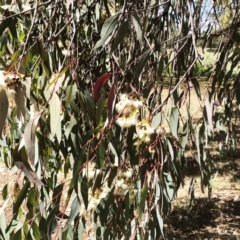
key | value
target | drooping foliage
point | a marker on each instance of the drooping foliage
(84, 121)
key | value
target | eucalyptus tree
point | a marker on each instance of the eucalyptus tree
(82, 97)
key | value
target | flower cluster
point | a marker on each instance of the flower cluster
(89, 171)
(124, 184)
(129, 109)
(144, 130)
(99, 194)
(8, 79)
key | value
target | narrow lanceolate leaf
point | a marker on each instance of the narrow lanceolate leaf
(209, 111)
(174, 117)
(197, 87)
(20, 100)
(121, 34)
(75, 206)
(142, 62)
(21, 196)
(111, 97)
(156, 120)
(107, 29)
(160, 222)
(55, 110)
(160, 67)
(32, 176)
(30, 137)
(99, 84)
(3, 109)
(143, 200)
(137, 26)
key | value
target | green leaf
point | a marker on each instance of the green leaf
(156, 120)
(160, 67)
(55, 110)
(107, 29)
(75, 206)
(20, 100)
(100, 108)
(3, 109)
(137, 26)
(71, 94)
(70, 125)
(32, 176)
(174, 118)
(17, 235)
(80, 229)
(209, 110)
(121, 34)
(80, 159)
(30, 138)
(52, 223)
(112, 175)
(84, 190)
(160, 222)
(169, 186)
(21, 196)
(143, 200)
(170, 148)
(5, 191)
(36, 232)
(116, 159)
(196, 87)
(43, 227)
(142, 62)
(3, 226)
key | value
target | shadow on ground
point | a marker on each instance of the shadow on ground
(215, 218)
(218, 218)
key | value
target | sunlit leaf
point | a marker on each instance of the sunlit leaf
(55, 109)
(137, 26)
(156, 120)
(74, 211)
(209, 110)
(30, 137)
(174, 118)
(107, 29)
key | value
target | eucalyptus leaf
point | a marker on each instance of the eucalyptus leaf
(107, 29)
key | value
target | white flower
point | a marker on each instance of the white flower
(89, 171)
(137, 104)
(126, 122)
(220, 109)
(128, 173)
(144, 130)
(129, 110)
